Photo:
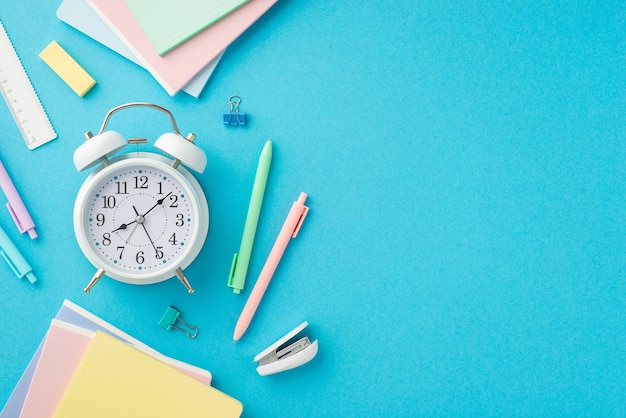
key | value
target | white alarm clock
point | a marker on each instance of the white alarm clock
(140, 217)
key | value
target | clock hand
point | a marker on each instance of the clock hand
(124, 226)
(131, 233)
(159, 202)
(140, 220)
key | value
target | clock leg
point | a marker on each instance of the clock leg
(181, 276)
(94, 280)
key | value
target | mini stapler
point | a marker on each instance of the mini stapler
(287, 353)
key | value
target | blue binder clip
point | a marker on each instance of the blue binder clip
(169, 319)
(234, 117)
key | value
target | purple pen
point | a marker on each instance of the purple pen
(16, 206)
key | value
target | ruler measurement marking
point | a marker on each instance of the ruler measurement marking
(21, 98)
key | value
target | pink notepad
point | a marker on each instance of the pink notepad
(63, 350)
(180, 65)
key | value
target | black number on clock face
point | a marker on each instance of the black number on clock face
(141, 182)
(140, 220)
(108, 202)
(122, 187)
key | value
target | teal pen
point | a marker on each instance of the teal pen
(14, 258)
(239, 267)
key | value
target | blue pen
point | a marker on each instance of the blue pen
(14, 258)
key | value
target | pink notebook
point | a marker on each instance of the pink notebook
(63, 350)
(180, 65)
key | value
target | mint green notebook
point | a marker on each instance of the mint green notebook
(168, 23)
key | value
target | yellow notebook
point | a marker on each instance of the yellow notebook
(117, 380)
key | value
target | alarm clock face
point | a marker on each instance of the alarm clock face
(139, 219)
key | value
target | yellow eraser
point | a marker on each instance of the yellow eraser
(67, 68)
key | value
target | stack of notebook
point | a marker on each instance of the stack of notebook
(85, 367)
(179, 42)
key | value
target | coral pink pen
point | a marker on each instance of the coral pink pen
(289, 230)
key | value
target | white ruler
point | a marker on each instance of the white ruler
(18, 93)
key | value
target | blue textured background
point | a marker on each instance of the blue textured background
(465, 249)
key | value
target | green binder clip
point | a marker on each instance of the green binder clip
(168, 321)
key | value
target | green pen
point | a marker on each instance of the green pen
(239, 267)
